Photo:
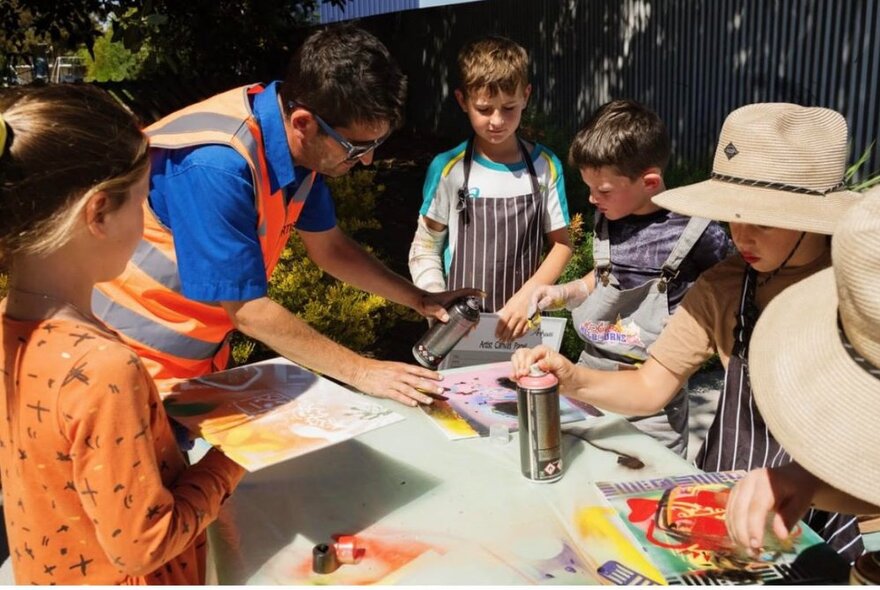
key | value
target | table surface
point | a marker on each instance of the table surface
(426, 509)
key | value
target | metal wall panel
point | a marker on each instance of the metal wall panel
(363, 8)
(692, 60)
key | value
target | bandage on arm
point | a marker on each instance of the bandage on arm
(426, 258)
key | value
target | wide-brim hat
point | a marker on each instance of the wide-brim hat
(814, 361)
(776, 164)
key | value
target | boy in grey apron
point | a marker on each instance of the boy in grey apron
(644, 257)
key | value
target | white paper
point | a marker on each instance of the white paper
(480, 346)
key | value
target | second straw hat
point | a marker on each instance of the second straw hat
(814, 361)
(776, 164)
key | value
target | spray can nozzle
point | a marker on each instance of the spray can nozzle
(536, 371)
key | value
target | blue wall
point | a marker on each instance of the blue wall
(364, 8)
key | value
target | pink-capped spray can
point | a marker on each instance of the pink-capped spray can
(540, 433)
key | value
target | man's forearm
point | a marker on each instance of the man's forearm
(347, 261)
(282, 331)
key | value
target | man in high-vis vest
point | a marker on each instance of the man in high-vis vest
(231, 177)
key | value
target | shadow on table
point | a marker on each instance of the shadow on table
(342, 489)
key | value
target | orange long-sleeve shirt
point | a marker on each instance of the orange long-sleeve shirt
(95, 488)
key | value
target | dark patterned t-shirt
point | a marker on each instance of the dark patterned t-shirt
(640, 244)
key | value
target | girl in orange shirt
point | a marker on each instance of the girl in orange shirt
(95, 488)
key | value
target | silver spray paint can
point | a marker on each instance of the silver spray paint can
(540, 433)
(440, 338)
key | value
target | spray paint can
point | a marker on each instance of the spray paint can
(540, 433)
(440, 338)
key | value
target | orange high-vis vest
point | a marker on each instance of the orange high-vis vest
(179, 338)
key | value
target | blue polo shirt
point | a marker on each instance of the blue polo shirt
(205, 195)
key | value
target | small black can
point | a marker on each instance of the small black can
(540, 431)
(440, 338)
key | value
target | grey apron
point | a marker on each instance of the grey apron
(500, 241)
(618, 325)
(739, 439)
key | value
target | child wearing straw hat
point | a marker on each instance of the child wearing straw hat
(820, 395)
(777, 177)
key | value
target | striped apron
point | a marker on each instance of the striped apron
(739, 439)
(618, 325)
(500, 241)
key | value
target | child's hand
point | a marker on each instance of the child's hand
(552, 297)
(782, 494)
(513, 322)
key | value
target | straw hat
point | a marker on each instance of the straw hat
(776, 164)
(818, 390)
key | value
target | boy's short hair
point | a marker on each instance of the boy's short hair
(493, 63)
(624, 134)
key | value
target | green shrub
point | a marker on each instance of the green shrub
(537, 126)
(581, 263)
(339, 311)
(858, 179)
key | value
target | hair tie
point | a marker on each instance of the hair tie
(4, 135)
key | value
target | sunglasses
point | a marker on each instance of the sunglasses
(353, 151)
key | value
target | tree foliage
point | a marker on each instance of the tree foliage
(206, 38)
(60, 23)
(110, 61)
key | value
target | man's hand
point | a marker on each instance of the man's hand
(433, 305)
(512, 319)
(781, 493)
(397, 381)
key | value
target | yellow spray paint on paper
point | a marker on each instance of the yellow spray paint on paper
(595, 524)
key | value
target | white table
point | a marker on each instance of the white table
(426, 509)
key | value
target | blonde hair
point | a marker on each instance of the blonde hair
(64, 143)
(493, 64)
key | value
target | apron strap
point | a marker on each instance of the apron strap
(747, 316)
(601, 249)
(686, 242)
(464, 191)
(533, 175)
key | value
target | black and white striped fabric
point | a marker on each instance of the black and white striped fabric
(500, 242)
(499, 248)
(739, 439)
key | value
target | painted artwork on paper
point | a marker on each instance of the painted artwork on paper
(618, 561)
(265, 413)
(478, 397)
(411, 558)
(680, 524)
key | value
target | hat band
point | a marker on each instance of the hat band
(861, 361)
(779, 186)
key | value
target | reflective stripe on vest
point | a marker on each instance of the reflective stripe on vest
(185, 338)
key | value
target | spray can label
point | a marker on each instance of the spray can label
(441, 338)
(540, 433)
